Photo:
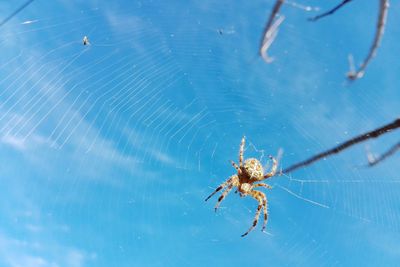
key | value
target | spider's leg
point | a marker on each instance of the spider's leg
(241, 151)
(263, 185)
(229, 188)
(260, 198)
(236, 167)
(221, 186)
(265, 204)
(273, 169)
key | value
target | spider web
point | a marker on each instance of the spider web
(108, 150)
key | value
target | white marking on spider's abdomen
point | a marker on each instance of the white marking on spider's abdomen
(253, 168)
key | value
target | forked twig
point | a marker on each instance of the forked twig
(270, 31)
(358, 139)
(372, 161)
(330, 12)
(383, 10)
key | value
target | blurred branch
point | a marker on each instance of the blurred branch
(16, 12)
(330, 12)
(270, 31)
(383, 9)
(358, 139)
(372, 161)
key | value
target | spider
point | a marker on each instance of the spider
(248, 172)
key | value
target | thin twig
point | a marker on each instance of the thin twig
(358, 139)
(16, 12)
(383, 10)
(388, 153)
(330, 12)
(270, 31)
(302, 7)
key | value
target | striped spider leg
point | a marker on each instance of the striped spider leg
(232, 181)
(273, 169)
(262, 203)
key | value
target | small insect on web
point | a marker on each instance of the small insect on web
(85, 40)
(249, 172)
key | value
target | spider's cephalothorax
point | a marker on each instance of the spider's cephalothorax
(248, 173)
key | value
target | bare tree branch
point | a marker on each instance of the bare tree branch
(383, 9)
(330, 12)
(270, 31)
(16, 12)
(388, 153)
(358, 139)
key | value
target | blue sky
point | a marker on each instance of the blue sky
(107, 151)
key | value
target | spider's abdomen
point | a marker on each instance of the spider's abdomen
(253, 169)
